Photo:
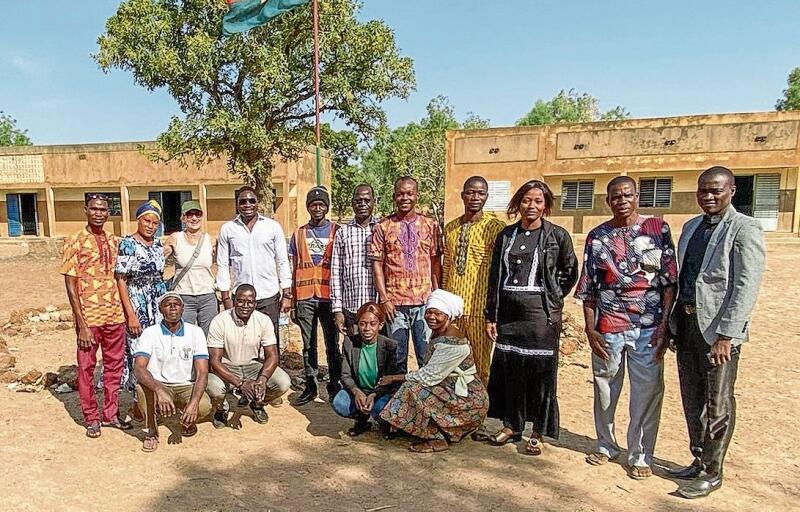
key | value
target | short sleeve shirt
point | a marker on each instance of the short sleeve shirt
(91, 259)
(172, 355)
(625, 270)
(241, 342)
(406, 248)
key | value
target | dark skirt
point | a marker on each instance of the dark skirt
(524, 373)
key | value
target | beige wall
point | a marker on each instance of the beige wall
(680, 148)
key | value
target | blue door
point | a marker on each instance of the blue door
(14, 215)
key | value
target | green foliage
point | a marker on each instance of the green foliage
(570, 107)
(10, 135)
(250, 97)
(418, 150)
(791, 95)
(343, 145)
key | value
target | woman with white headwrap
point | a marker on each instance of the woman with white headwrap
(443, 401)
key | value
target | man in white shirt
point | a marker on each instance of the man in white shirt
(171, 367)
(252, 249)
(244, 357)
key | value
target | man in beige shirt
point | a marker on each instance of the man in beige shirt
(243, 354)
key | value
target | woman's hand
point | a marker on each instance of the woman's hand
(134, 327)
(491, 330)
(369, 403)
(360, 399)
(388, 380)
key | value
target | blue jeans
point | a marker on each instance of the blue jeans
(345, 405)
(647, 394)
(409, 319)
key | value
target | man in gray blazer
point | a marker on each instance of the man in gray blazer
(721, 259)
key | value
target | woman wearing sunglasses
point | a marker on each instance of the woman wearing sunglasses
(193, 252)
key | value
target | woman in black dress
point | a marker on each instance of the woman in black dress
(533, 268)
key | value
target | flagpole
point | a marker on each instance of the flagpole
(315, 15)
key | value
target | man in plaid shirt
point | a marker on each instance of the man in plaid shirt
(351, 271)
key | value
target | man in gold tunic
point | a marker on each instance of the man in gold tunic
(468, 244)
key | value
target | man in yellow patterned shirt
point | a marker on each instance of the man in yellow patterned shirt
(88, 269)
(468, 245)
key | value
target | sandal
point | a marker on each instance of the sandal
(502, 438)
(480, 435)
(437, 445)
(598, 459)
(150, 444)
(535, 446)
(189, 431)
(640, 472)
(93, 430)
(118, 424)
(359, 428)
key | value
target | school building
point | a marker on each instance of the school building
(665, 156)
(43, 188)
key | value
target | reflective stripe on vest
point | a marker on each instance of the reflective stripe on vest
(312, 280)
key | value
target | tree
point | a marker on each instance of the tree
(418, 150)
(570, 107)
(250, 97)
(343, 145)
(791, 95)
(10, 135)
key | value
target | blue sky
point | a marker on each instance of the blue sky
(654, 58)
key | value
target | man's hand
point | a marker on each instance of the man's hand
(598, 344)
(660, 342)
(361, 399)
(227, 303)
(338, 319)
(720, 352)
(248, 388)
(389, 309)
(286, 304)
(134, 327)
(189, 416)
(369, 403)
(491, 330)
(261, 388)
(164, 403)
(85, 338)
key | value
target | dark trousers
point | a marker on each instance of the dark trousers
(707, 394)
(308, 315)
(271, 306)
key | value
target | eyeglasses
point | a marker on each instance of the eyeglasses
(248, 200)
(194, 213)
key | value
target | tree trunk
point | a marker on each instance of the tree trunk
(260, 178)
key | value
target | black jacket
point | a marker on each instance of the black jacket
(556, 259)
(385, 353)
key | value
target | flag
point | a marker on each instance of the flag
(246, 14)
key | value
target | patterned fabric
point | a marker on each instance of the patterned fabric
(474, 327)
(406, 248)
(143, 268)
(352, 283)
(437, 412)
(471, 283)
(625, 270)
(91, 259)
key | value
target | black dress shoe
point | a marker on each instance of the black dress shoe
(689, 472)
(332, 389)
(259, 414)
(700, 487)
(308, 394)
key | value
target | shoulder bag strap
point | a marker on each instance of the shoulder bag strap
(185, 269)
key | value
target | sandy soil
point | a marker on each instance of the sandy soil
(302, 460)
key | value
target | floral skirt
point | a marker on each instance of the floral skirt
(436, 412)
(144, 301)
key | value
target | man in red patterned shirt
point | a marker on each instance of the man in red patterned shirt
(88, 269)
(627, 287)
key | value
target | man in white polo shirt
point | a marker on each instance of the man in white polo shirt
(171, 366)
(243, 353)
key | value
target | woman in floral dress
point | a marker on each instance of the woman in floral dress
(139, 271)
(443, 401)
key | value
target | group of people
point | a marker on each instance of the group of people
(481, 301)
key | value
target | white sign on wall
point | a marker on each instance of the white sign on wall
(499, 195)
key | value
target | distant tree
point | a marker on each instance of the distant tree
(249, 98)
(418, 150)
(343, 145)
(10, 135)
(570, 107)
(791, 95)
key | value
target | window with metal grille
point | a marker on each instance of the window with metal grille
(655, 192)
(114, 202)
(577, 195)
(499, 195)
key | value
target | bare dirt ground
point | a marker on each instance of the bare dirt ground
(302, 460)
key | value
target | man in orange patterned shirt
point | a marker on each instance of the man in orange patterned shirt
(88, 270)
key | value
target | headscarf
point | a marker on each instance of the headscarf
(448, 303)
(150, 206)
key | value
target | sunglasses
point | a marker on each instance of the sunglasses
(194, 213)
(92, 196)
(248, 200)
